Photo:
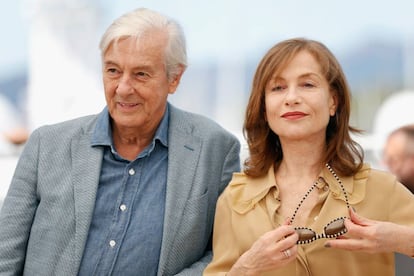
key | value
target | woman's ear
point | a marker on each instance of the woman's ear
(333, 103)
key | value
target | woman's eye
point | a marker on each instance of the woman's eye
(277, 88)
(308, 84)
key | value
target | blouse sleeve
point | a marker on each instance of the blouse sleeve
(225, 249)
(401, 205)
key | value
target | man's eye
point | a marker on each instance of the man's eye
(142, 75)
(111, 70)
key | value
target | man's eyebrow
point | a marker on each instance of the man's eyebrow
(110, 62)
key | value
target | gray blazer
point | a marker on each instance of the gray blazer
(46, 214)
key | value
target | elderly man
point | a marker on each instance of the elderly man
(130, 191)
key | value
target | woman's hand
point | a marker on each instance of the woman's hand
(273, 250)
(373, 236)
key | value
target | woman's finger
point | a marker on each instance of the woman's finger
(357, 219)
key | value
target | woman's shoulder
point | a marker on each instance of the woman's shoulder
(375, 179)
(244, 192)
(369, 173)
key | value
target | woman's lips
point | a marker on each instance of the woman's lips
(293, 115)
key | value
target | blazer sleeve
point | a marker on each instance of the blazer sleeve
(18, 210)
(231, 164)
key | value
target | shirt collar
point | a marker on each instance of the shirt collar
(102, 134)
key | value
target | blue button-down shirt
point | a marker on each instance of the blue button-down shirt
(127, 224)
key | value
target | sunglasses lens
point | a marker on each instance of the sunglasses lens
(335, 228)
(305, 235)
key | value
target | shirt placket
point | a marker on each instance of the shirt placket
(122, 215)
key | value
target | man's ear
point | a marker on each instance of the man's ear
(175, 79)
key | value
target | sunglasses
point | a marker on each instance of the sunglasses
(332, 230)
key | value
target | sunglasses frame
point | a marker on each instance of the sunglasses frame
(316, 236)
(323, 235)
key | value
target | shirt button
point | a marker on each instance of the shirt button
(112, 243)
(122, 207)
(131, 171)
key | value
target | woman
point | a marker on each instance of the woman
(302, 204)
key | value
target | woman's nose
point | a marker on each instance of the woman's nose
(292, 96)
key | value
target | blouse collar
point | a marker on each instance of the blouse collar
(246, 191)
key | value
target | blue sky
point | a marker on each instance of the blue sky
(231, 28)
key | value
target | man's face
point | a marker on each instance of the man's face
(135, 81)
(397, 159)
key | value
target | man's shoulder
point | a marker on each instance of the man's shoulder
(82, 124)
(196, 123)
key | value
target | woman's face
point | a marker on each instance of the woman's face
(299, 102)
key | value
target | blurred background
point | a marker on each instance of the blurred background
(50, 62)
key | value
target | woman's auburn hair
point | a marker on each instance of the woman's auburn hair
(343, 154)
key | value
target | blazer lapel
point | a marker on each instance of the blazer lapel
(86, 171)
(183, 153)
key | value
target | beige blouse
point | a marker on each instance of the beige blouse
(248, 208)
